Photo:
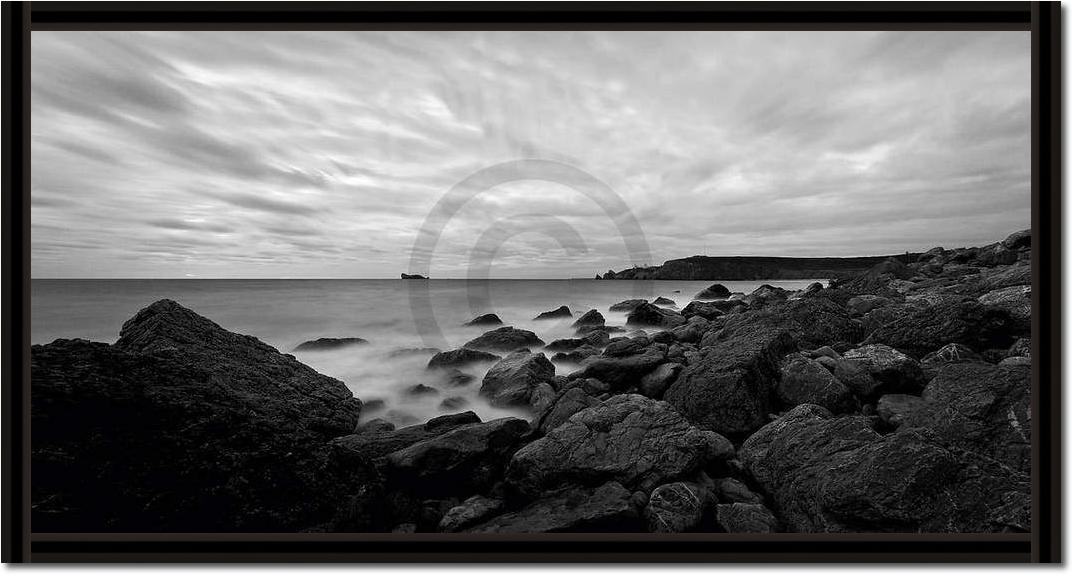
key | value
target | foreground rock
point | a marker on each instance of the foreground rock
(873, 370)
(921, 330)
(365, 445)
(329, 344)
(505, 339)
(837, 474)
(649, 315)
(179, 396)
(677, 507)
(629, 439)
(512, 381)
(805, 381)
(623, 363)
(590, 318)
(607, 508)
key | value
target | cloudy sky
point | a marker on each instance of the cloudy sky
(320, 154)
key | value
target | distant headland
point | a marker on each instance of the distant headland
(408, 276)
(744, 268)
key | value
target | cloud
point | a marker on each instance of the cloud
(321, 153)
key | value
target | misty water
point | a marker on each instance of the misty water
(390, 314)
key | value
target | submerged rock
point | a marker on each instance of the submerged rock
(512, 381)
(562, 312)
(329, 344)
(663, 301)
(647, 314)
(505, 339)
(591, 317)
(716, 291)
(627, 305)
(460, 358)
(485, 319)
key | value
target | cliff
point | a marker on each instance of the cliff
(703, 268)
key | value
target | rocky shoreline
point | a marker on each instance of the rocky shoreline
(893, 400)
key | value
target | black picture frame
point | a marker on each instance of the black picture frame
(1043, 544)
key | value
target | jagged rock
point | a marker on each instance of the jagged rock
(375, 426)
(461, 461)
(741, 517)
(542, 397)
(1015, 362)
(505, 339)
(655, 383)
(1016, 301)
(728, 389)
(608, 508)
(836, 474)
(575, 356)
(676, 507)
(566, 404)
(627, 305)
(179, 396)
(1018, 240)
(663, 301)
(861, 305)
(982, 408)
(806, 381)
(460, 358)
(623, 362)
(630, 439)
(590, 318)
(892, 409)
(562, 312)
(765, 294)
(710, 309)
(475, 509)
(329, 344)
(888, 371)
(919, 331)
(1021, 348)
(731, 490)
(593, 339)
(951, 353)
(812, 322)
(485, 319)
(647, 314)
(511, 381)
(716, 291)
(375, 445)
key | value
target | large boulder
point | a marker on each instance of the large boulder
(629, 439)
(805, 381)
(1018, 240)
(837, 474)
(623, 362)
(562, 312)
(812, 322)
(505, 339)
(728, 389)
(655, 383)
(1016, 301)
(921, 330)
(648, 315)
(590, 318)
(765, 294)
(460, 358)
(183, 426)
(607, 508)
(627, 305)
(710, 309)
(884, 370)
(951, 353)
(982, 408)
(677, 507)
(861, 305)
(484, 320)
(716, 291)
(373, 445)
(512, 381)
(566, 404)
(459, 462)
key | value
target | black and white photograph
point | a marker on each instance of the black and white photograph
(527, 282)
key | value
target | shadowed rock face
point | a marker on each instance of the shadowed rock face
(512, 381)
(628, 438)
(460, 358)
(925, 329)
(182, 426)
(836, 474)
(329, 344)
(562, 312)
(505, 339)
(486, 319)
(607, 508)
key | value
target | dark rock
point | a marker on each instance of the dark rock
(607, 508)
(982, 408)
(560, 313)
(728, 389)
(485, 319)
(863, 304)
(731, 490)
(836, 474)
(591, 317)
(630, 439)
(623, 363)
(511, 381)
(647, 314)
(806, 381)
(996, 254)
(458, 378)
(655, 383)
(371, 446)
(406, 527)
(710, 309)
(374, 426)
(565, 405)
(889, 370)
(244, 426)
(765, 294)
(576, 355)
(453, 403)
(542, 397)
(593, 339)
(397, 353)
(716, 291)
(741, 517)
(589, 329)
(461, 461)
(1021, 348)
(892, 409)
(460, 358)
(505, 339)
(663, 301)
(373, 406)
(1016, 301)
(812, 322)
(475, 509)
(419, 389)
(1018, 240)
(329, 344)
(627, 305)
(951, 353)
(1015, 362)
(414, 276)
(920, 331)
(676, 507)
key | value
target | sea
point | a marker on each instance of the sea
(391, 314)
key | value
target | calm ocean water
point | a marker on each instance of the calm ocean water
(390, 314)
